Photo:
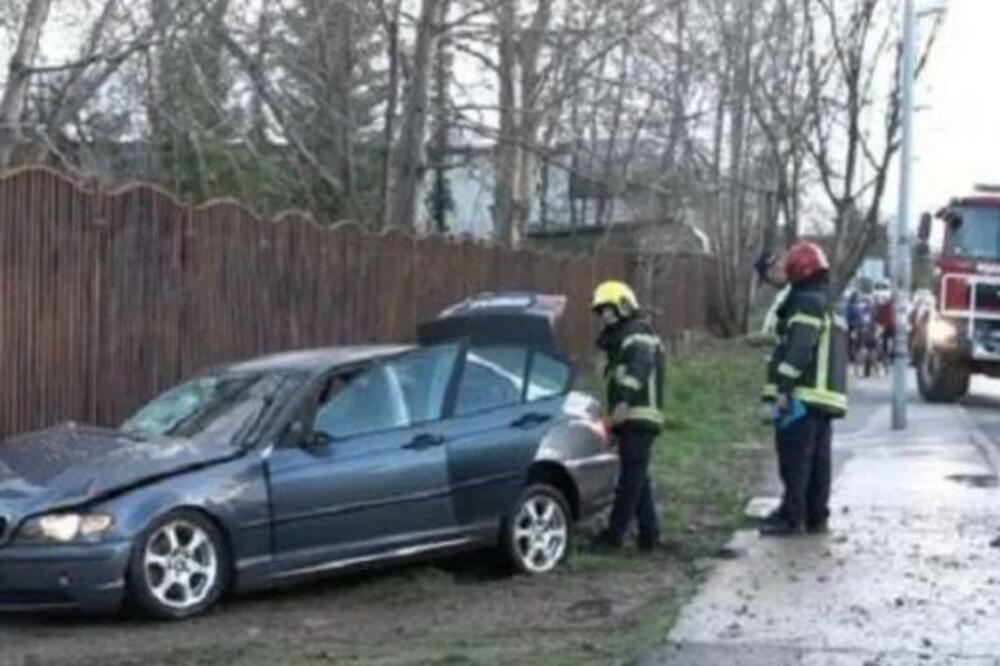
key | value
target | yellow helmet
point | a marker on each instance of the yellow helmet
(615, 294)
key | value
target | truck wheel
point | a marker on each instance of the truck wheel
(940, 380)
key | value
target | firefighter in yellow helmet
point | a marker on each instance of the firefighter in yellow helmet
(634, 377)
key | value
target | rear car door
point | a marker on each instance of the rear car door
(373, 476)
(506, 398)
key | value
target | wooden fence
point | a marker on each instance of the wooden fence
(108, 297)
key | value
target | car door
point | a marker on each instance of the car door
(372, 477)
(497, 421)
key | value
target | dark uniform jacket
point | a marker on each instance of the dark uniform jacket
(635, 372)
(810, 361)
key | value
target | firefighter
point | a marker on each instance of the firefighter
(806, 388)
(634, 377)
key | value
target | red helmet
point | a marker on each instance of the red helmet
(804, 261)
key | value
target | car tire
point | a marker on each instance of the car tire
(537, 533)
(939, 380)
(179, 567)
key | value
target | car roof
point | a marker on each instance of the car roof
(316, 360)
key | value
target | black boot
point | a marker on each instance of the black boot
(817, 527)
(606, 543)
(778, 527)
(648, 545)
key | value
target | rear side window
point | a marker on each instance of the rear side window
(493, 377)
(548, 377)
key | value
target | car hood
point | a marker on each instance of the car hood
(69, 465)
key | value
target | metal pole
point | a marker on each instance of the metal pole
(901, 265)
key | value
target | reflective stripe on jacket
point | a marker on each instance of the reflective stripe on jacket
(810, 361)
(635, 374)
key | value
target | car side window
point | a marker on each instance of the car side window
(396, 393)
(548, 377)
(492, 377)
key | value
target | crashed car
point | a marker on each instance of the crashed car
(310, 463)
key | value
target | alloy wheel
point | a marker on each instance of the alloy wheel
(540, 533)
(180, 565)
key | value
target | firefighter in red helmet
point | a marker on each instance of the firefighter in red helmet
(806, 387)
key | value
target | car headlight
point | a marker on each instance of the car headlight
(941, 332)
(67, 527)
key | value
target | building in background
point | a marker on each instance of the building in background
(570, 210)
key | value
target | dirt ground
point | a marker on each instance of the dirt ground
(463, 611)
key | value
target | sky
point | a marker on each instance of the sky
(957, 130)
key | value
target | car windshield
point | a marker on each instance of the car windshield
(221, 407)
(978, 233)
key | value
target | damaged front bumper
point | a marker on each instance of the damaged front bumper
(89, 577)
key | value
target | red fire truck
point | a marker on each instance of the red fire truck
(959, 335)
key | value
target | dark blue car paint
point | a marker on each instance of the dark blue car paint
(380, 495)
(365, 490)
(488, 457)
(58, 577)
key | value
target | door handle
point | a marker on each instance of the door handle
(424, 441)
(532, 420)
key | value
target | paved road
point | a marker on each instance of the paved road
(983, 406)
(907, 576)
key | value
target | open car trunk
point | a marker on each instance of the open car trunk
(508, 318)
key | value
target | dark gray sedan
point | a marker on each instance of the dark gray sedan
(311, 463)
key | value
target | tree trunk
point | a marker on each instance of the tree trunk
(391, 104)
(408, 157)
(521, 118)
(440, 199)
(18, 78)
(343, 65)
(506, 150)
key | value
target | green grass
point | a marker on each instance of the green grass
(703, 466)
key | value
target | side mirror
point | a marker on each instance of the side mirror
(924, 231)
(295, 434)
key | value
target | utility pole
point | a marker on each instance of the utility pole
(901, 265)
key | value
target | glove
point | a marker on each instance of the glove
(787, 411)
(764, 263)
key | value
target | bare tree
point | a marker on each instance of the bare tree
(18, 77)
(407, 165)
(847, 69)
(439, 199)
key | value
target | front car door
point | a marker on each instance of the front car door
(372, 478)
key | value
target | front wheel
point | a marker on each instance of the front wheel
(179, 566)
(537, 533)
(939, 379)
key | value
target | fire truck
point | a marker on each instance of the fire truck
(958, 333)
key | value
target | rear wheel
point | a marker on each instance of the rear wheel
(537, 533)
(179, 566)
(940, 379)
